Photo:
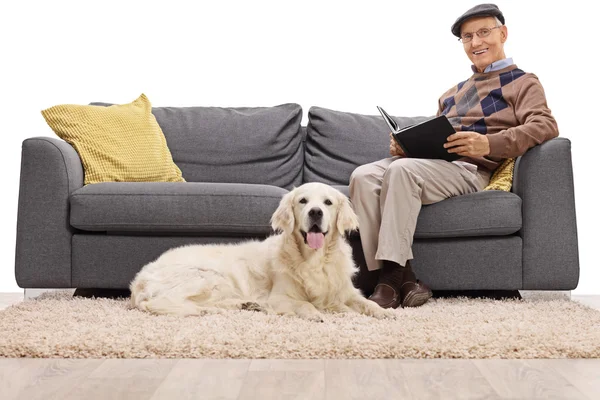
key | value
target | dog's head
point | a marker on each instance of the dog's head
(314, 211)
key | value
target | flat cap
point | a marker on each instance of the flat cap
(481, 10)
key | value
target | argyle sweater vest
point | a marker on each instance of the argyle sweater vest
(508, 105)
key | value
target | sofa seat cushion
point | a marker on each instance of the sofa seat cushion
(486, 213)
(211, 208)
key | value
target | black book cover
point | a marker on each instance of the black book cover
(425, 139)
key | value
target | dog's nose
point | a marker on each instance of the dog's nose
(315, 213)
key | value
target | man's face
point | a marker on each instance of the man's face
(484, 51)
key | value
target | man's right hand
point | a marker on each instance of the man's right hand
(395, 149)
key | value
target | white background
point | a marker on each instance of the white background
(347, 56)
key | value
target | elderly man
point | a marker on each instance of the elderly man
(498, 113)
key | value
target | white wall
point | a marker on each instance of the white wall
(348, 56)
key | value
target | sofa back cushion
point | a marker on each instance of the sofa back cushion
(337, 142)
(260, 145)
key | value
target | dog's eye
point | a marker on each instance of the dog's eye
(302, 201)
(327, 202)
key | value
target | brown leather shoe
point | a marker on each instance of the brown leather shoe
(386, 296)
(414, 294)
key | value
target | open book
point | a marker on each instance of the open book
(423, 140)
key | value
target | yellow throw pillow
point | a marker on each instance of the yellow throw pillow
(119, 143)
(503, 176)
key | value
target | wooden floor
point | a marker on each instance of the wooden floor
(299, 379)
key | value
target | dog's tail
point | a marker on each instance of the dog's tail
(139, 293)
(166, 305)
(170, 302)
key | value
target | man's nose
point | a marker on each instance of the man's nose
(315, 213)
(476, 41)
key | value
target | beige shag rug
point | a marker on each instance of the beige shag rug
(58, 325)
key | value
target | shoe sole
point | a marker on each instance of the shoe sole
(416, 299)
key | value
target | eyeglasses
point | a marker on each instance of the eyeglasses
(483, 32)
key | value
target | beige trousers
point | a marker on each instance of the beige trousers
(387, 196)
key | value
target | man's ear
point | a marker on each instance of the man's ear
(503, 33)
(283, 218)
(347, 220)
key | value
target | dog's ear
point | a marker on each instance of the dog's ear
(283, 217)
(346, 218)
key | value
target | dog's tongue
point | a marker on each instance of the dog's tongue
(315, 240)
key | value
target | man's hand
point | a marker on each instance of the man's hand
(471, 144)
(395, 149)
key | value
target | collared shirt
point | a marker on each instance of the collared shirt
(495, 66)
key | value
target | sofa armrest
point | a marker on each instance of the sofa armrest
(543, 178)
(50, 171)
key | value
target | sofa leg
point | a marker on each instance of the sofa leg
(545, 294)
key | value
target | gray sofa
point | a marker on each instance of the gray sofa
(238, 162)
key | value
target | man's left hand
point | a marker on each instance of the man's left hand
(468, 144)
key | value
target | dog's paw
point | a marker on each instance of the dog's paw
(383, 313)
(312, 317)
(252, 306)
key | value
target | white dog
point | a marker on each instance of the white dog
(303, 270)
